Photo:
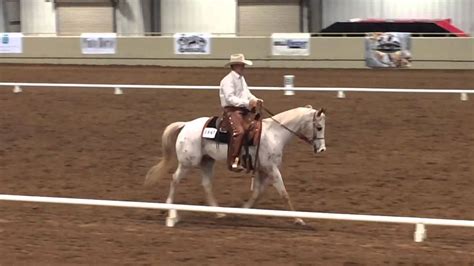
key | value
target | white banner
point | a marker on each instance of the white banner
(290, 44)
(11, 43)
(98, 43)
(192, 43)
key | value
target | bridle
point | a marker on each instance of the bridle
(299, 135)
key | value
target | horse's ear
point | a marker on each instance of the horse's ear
(322, 111)
(309, 106)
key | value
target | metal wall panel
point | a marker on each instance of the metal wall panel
(3, 19)
(213, 16)
(460, 11)
(265, 17)
(38, 17)
(75, 19)
(344, 10)
(133, 17)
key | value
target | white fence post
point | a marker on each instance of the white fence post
(341, 95)
(464, 97)
(288, 82)
(118, 91)
(420, 233)
(17, 89)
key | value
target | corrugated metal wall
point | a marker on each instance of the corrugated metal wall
(343, 10)
(38, 17)
(133, 17)
(11, 15)
(215, 16)
(3, 19)
(74, 19)
(460, 11)
(263, 17)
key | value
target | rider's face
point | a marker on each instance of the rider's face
(239, 68)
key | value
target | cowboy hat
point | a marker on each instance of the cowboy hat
(238, 59)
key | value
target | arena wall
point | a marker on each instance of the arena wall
(325, 52)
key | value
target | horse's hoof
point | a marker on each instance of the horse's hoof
(172, 221)
(220, 215)
(299, 221)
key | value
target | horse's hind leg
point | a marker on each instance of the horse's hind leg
(280, 187)
(207, 169)
(179, 174)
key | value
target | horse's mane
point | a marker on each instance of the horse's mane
(284, 116)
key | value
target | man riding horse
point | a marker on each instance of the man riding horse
(238, 104)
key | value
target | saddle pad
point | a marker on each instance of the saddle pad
(211, 132)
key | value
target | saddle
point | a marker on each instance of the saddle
(219, 130)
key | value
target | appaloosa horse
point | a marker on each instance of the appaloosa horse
(183, 141)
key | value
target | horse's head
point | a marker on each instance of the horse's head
(314, 129)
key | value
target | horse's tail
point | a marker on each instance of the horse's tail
(168, 146)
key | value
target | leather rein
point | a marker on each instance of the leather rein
(299, 135)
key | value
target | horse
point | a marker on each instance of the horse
(182, 141)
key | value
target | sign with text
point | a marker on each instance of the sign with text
(192, 43)
(11, 43)
(98, 43)
(290, 44)
(388, 50)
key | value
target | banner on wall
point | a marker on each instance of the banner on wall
(290, 44)
(98, 43)
(192, 43)
(11, 43)
(388, 50)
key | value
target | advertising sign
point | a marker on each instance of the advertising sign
(98, 43)
(290, 44)
(192, 43)
(388, 50)
(11, 43)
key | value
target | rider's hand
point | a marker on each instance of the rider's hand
(255, 102)
(252, 103)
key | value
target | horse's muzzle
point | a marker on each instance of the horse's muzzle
(321, 149)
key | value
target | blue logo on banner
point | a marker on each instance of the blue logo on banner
(292, 44)
(5, 39)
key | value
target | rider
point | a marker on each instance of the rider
(238, 102)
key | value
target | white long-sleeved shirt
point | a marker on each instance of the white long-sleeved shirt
(234, 91)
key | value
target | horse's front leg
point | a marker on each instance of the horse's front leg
(280, 187)
(260, 184)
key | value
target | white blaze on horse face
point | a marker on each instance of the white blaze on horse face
(319, 144)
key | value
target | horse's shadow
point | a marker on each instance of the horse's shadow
(210, 221)
(233, 221)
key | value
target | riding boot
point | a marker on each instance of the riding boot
(236, 167)
(235, 117)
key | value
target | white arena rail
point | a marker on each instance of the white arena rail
(288, 88)
(419, 235)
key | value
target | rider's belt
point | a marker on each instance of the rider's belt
(236, 108)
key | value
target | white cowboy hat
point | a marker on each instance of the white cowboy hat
(238, 59)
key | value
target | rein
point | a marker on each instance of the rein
(299, 135)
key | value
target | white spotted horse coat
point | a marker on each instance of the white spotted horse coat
(182, 141)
